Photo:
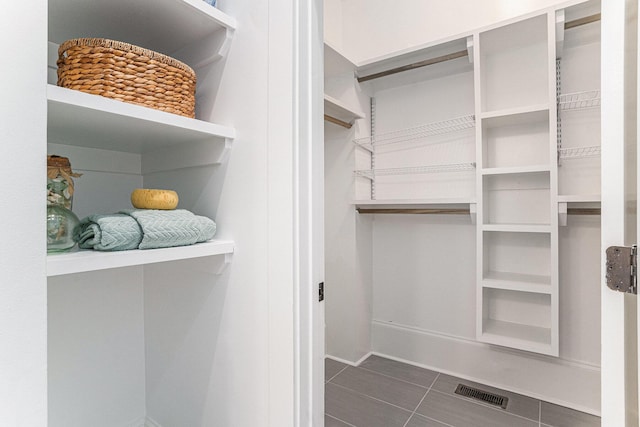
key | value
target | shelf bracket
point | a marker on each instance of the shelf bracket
(562, 214)
(473, 210)
(221, 263)
(470, 48)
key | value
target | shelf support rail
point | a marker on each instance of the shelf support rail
(338, 122)
(582, 21)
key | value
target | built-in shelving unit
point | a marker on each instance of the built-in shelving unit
(189, 30)
(517, 232)
(157, 150)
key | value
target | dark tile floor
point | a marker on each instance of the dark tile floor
(385, 393)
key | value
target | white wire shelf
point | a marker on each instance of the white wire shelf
(579, 100)
(579, 152)
(418, 132)
(414, 170)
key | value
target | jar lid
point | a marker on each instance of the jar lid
(58, 162)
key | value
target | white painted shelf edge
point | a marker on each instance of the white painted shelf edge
(517, 228)
(579, 198)
(514, 335)
(339, 110)
(516, 170)
(106, 106)
(89, 260)
(514, 115)
(410, 203)
(166, 26)
(80, 119)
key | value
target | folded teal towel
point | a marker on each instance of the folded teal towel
(143, 229)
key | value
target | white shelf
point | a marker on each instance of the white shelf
(515, 116)
(414, 203)
(415, 170)
(89, 260)
(339, 110)
(579, 198)
(579, 100)
(514, 335)
(81, 119)
(172, 27)
(516, 170)
(517, 282)
(418, 133)
(518, 228)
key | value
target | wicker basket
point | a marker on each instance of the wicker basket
(127, 73)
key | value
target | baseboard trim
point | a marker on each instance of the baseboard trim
(566, 383)
(348, 362)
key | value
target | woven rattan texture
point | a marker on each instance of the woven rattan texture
(127, 73)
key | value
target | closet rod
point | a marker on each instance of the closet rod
(582, 21)
(414, 211)
(452, 211)
(415, 65)
(583, 211)
(337, 121)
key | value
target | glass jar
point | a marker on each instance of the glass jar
(61, 221)
(60, 225)
(60, 181)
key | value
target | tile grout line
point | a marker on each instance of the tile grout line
(342, 421)
(339, 372)
(420, 403)
(539, 413)
(371, 397)
(399, 379)
(482, 405)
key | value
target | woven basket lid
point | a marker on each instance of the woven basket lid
(58, 162)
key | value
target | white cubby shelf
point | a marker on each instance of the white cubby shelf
(415, 203)
(516, 170)
(517, 228)
(517, 282)
(172, 27)
(89, 260)
(80, 119)
(524, 337)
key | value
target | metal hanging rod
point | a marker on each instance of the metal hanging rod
(415, 65)
(442, 211)
(338, 121)
(456, 211)
(583, 211)
(582, 21)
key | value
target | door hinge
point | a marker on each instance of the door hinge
(321, 291)
(622, 268)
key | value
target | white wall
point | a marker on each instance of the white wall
(333, 23)
(23, 290)
(372, 28)
(207, 338)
